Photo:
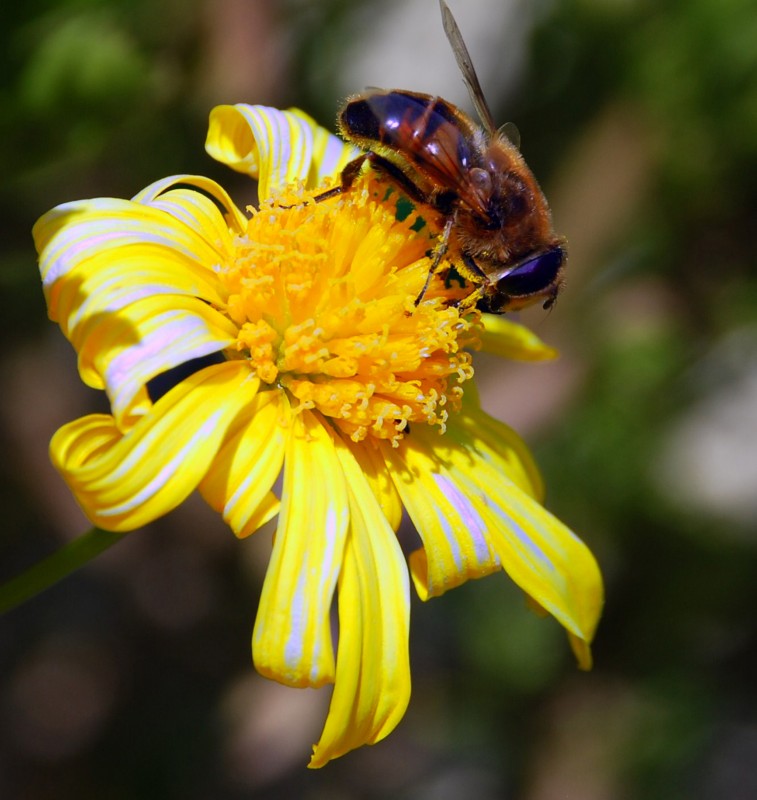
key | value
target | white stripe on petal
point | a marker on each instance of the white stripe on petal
(474, 523)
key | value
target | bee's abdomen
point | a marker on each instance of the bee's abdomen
(392, 118)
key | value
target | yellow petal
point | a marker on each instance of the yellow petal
(453, 530)
(276, 147)
(496, 443)
(330, 154)
(505, 338)
(374, 470)
(125, 481)
(124, 351)
(291, 642)
(581, 650)
(372, 686)
(247, 465)
(537, 551)
(473, 504)
(97, 256)
(157, 193)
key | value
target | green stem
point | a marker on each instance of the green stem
(55, 567)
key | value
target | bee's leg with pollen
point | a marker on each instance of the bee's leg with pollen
(439, 252)
(475, 275)
(469, 301)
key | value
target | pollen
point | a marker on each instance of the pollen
(324, 298)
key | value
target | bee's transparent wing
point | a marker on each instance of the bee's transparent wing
(510, 131)
(466, 67)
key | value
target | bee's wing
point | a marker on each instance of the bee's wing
(510, 131)
(465, 63)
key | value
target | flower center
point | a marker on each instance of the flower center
(324, 297)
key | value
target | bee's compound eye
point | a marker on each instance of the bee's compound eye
(533, 275)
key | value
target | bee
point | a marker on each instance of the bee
(496, 219)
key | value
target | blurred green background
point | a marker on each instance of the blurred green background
(133, 678)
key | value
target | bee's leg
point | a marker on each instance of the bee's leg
(329, 193)
(346, 179)
(470, 300)
(439, 251)
(473, 267)
(352, 170)
(398, 177)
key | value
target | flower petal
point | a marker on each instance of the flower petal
(507, 339)
(291, 642)
(247, 465)
(125, 481)
(546, 559)
(372, 687)
(124, 351)
(456, 544)
(155, 194)
(497, 443)
(330, 154)
(375, 471)
(276, 147)
(97, 256)
(536, 550)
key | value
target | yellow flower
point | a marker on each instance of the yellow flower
(234, 348)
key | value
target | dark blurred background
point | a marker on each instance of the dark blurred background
(133, 678)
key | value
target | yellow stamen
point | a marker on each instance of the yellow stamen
(324, 297)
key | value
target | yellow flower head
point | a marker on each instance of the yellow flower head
(236, 348)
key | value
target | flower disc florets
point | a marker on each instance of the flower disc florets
(324, 296)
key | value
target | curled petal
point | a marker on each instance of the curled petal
(291, 642)
(276, 147)
(372, 686)
(330, 154)
(158, 194)
(98, 256)
(125, 481)
(124, 351)
(248, 463)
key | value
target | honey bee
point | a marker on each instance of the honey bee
(498, 230)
